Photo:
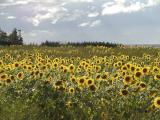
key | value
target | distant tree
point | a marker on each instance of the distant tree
(76, 44)
(20, 39)
(3, 35)
(13, 37)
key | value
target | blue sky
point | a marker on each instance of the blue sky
(121, 21)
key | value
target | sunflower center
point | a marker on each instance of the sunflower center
(158, 102)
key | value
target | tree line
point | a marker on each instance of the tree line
(76, 44)
(14, 38)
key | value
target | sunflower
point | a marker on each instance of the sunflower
(98, 76)
(93, 88)
(81, 81)
(155, 69)
(3, 77)
(115, 65)
(145, 70)
(73, 79)
(156, 102)
(65, 69)
(104, 76)
(25, 67)
(44, 67)
(71, 90)
(142, 86)
(123, 73)
(124, 68)
(8, 81)
(124, 92)
(104, 115)
(41, 74)
(127, 80)
(138, 74)
(59, 83)
(29, 67)
(157, 77)
(119, 63)
(56, 60)
(37, 72)
(69, 104)
(71, 68)
(107, 64)
(128, 65)
(20, 75)
(55, 64)
(16, 64)
(98, 68)
(132, 68)
(89, 81)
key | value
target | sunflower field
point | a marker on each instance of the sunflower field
(79, 83)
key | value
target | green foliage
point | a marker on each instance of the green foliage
(11, 39)
(78, 44)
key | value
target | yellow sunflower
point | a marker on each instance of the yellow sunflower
(71, 90)
(156, 102)
(124, 92)
(3, 76)
(20, 75)
(127, 80)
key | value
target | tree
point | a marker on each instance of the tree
(3, 35)
(20, 39)
(13, 37)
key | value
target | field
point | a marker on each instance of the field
(79, 83)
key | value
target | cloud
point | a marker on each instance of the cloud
(6, 3)
(84, 24)
(10, 17)
(95, 23)
(81, 1)
(94, 14)
(48, 10)
(53, 14)
(57, 11)
(54, 21)
(90, 24)
(82, 19)
(123, 6)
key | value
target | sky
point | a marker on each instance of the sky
(116, 21)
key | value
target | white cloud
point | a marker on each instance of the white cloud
(53, 11)
(122, 6)
(54, 21)
(14, 2)
(90, 24)
(49, 13)
(94, 14)
(10, 17)
(84, 24)
(81, 0)
(95, 23)
(35, 22)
